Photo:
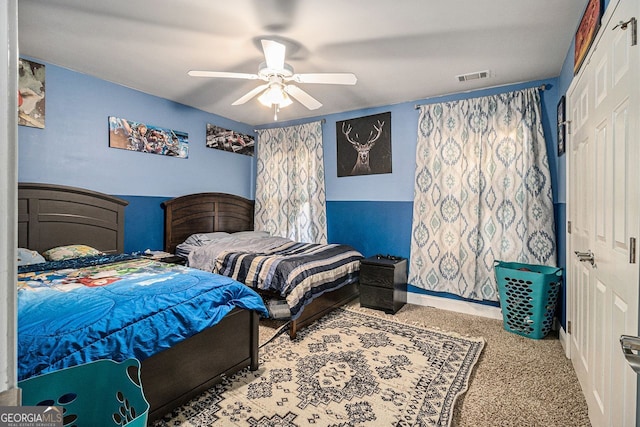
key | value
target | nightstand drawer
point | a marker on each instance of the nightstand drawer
(388, 300)
(375, 297)
(377, 275)
(383, 273)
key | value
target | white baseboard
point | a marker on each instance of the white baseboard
(564, 342)
(459, 306)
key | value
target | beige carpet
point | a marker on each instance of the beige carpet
(347, 369)
(517, 381)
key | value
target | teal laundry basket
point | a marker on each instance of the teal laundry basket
(528, 296)
(95, 394)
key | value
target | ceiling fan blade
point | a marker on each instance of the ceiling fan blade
(250, 94)
(303, 97)
(223, 74)
(274, 54)
(326, 78)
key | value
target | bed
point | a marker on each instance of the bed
(207, 213)
(189, 363)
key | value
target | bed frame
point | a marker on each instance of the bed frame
(55, 215)
(211, 212)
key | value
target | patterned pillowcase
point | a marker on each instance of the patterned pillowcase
(71, 251)
(28, 257)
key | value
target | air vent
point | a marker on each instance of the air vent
(473, 76)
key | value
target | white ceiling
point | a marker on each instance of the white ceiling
(400, 50)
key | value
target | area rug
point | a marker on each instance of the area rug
(346, 369)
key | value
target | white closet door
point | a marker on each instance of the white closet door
(604, 211)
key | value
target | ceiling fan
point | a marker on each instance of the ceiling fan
(277, 92)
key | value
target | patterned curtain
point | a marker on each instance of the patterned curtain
(290, 193)
(482, 193)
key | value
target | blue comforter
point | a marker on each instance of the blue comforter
(73, 314)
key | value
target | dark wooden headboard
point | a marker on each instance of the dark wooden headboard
(55, 215)
(204, 213)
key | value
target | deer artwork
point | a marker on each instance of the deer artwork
(362, 163)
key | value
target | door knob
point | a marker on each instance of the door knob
(586, 256)
(630, 345)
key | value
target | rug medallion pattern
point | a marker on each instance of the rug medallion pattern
(347, 369)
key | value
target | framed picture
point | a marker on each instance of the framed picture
(31, 94)
(586, 32)
(228, 140)
(364, 145)
(562, 125)
(136, 136)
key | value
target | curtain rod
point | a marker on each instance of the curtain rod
(541, 87)
(322, 121)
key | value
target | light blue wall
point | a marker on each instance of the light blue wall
(73, 148)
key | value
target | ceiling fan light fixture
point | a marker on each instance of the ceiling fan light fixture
(276, 92)
(275, 95)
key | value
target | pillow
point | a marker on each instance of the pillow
(28, 257)
(204, 238)
(71, 251)
(251, 234)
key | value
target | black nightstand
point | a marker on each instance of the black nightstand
(383, 283)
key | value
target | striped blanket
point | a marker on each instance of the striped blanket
(300, 272)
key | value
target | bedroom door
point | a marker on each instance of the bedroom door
(604, 214)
